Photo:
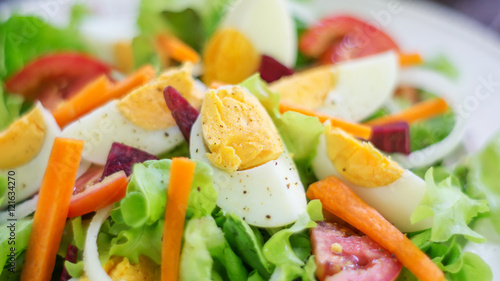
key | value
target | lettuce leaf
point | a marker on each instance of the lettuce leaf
(22, 234)
(300, 133)
(428, 132)
(146, 193)
(452, 209)
(3, 188)
(11, 108)
(206, 252)
(448, 256)
(482, 179)
(23, 38)
(442, 64)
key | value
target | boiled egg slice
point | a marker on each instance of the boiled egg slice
(25, 147)
(254, 175)
(351, 90)
(268, 25)
(393, 191)
(141, 119)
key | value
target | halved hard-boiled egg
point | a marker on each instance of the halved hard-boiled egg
(255, 177)
(268, 25)
(141, 119)
(393, 191)
(25, 147)
(351, 90)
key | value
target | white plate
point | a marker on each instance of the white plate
(418, 26)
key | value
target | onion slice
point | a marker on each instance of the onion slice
(437, 84)
(22, 210)
(91, 263)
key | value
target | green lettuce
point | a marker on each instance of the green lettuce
(442, 64)
(22, 234)
(428, 132)
(300, 133)
(483, 183)
(3, 188)
(206, 251)
(24, 38)
(11, 108)
(452, 210)
(448, 256)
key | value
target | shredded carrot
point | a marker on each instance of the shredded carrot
(179, 187)
(410, 59)
(82, 102)
(358, 130)
(340, 200)
(97, 93)
(420, 111)
(52, 209)
(176, 49)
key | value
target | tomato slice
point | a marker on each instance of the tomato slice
(110, 190)
(92, 176)
(55, 77)
(340, 38)
(342, 254)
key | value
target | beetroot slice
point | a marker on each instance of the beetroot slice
(184, 114)
(122, 157)
(71, 256)
(272, 70)
(394, 137)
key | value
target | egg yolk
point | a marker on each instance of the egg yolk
(308, 88)
(146, 106)
(359, 162)
(229, 57)
(119, 268)
(237, 130)
(23, 140)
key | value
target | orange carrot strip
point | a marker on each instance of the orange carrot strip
(82, 102)
(179, 187)
(97, 93)
(419, 111)
(341, 201)
(52, 209)
(358, 130)
(177, 49)
(410, 59)
(142, 76)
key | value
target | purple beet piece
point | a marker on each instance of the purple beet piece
(272, 70)
(122, 157)
(183, 113)
(71, 256)
(394, 137)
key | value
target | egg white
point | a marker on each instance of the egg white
(268, 25)
(28, 177)
(395, 201)
(270, 195)
(105, 125)
(362, 86)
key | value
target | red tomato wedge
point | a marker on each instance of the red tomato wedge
(55, 77)
(111, 189)
(340, 38)
(342, 254)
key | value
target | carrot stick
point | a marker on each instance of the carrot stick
(358, 130)
(97, 93)
(341, 201)
(410, 59)
(52, 209)
(177, 49)
(420, 111)
(82, 102)
(179, 187)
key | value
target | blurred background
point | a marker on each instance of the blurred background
(485, 11)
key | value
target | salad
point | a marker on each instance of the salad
(214, 145)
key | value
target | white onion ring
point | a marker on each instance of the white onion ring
(91, 263)
(22, 210)
(437, 84)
